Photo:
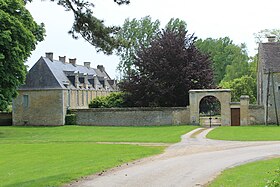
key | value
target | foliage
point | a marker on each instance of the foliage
(249, 175)
(229, 60)
(263, 34)
(175, 25)
(135, 34)
(275, 182)
(242, 86)
(115, 99)
(167, 70)
(19, 34)
(70, 119)
(250, 133)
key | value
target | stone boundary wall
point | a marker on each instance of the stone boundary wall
(6, 119)
(132, 116)
(256, 115)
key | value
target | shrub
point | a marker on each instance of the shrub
(70, 119)
(115, 99)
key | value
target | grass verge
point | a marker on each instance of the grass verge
(248, 133)
(254, 174)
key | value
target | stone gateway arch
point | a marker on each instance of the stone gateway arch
(223, 95)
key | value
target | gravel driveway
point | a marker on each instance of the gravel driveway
(193, 162)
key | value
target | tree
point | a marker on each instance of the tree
(19, 34)
(92, 29)
(244, 85)
(167, 70)
(175, 24)
(223, 54)
(134, 34)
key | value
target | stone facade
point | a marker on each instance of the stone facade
(223, 95)
(269, 81)
(132, 116)
(54, 86)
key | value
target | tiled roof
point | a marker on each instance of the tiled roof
(269, 54)
(47, 74)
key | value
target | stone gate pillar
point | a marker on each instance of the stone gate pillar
(194, 108)
(244, 110)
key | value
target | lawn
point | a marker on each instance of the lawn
(254, 174)
(164, 134)
(52, 156)
(246, 133)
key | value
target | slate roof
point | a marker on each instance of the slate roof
(269, 54)
(47, 74)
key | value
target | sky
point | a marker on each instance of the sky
(237, 19)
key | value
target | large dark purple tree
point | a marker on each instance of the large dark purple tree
(167, 70)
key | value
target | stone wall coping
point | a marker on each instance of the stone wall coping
(234, 103)
(209, 90)
(256, 106)
(130, 109)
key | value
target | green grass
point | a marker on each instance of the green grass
(52, 156)
(253, 174)
(248, 133)
(165, 134)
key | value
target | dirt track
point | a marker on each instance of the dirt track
(193, 162)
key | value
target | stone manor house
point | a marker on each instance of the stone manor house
(53, 86)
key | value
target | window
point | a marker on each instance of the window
(25, 101)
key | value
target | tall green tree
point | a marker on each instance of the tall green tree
(175, 24)
(244, 85)
(19, 34)
(134, 34)
(225, 54)
(167, 70)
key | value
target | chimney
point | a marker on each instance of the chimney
(101, 68)
(96, 81)
(87, 64)
(77, 82)
(86, 80)
(49, 56)
(72, 61)
(62, 59)
(271, 38)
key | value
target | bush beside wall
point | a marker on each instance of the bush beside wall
(70, 119)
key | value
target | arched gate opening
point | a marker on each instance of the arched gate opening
(224, 97)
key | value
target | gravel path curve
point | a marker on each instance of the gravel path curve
(192, 162)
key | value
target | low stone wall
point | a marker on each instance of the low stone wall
(256, 115)
(132, 116)
(6, 119)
